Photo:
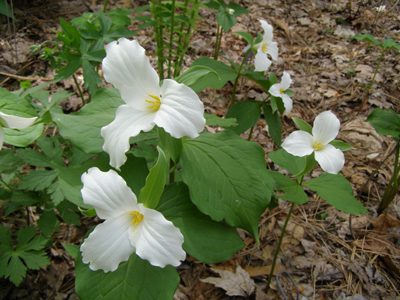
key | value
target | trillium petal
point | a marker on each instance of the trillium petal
(108, 193)
(157, 240)
(261, 61)
(2, 136)
(299, 143)
(128, 68)
(330, 159)
(286, 81)
(326, 127)
(128, 122)
(181, 111)
(15, 122)
(268, 31)
(108, 245)
(273, 50)
(275, 90)
(287, 102)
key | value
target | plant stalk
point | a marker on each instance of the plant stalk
(79, 89)
(105, 6)
(278, 248)
(237, 79)
(183, 47)
(172, 174)
(218, 42)
(171, 36)
(372, 81)
(392, 188)
(251, 133)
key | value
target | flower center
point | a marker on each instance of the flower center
(281, 91)
(317, 146)
(137, 217)
(264, 47)
(155, 103)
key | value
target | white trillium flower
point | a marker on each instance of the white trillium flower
(129, 227)
(267, 46)
(231, 11)
(13, 122)
(326, 128)
(173, 106)
(381, 8)
(278, 90)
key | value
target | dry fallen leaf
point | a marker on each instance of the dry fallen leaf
(235, 284)
(385, 221)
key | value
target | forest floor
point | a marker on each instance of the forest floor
(326, 257)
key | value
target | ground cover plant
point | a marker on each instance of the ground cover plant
(205, 146)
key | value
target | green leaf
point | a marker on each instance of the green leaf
(303, 125)
(155, 182)
(135, 279)
(293, 191)
(83, 128)
(390, 44)
(52, 148)
(69, 180)
(289, 92)
(214, 120)
(48, 221)
(368, 38)
(67, 212)
(19, 199)
(194, 74)
(385, 122)
(34, 158)
(72, 250)
(208, 241)
(14, 105)
(5, 9)
(239, 10)
(227, 178)
(24, 137)
(337, 191)
(258, 78)
(341, 145)
(28, 249)
(274, 124)
(297, 166)
(134, 171)
(225, 20)
(172, 145)
(247, 113)
(247, 37)
(224, 72)
(37, 180)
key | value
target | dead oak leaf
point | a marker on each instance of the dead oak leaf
(235, 284)
(385, 221)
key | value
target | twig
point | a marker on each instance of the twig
(25, 78)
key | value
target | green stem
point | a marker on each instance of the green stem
(172, 174)
(218, 41)
(186, 41)
(158, 36)
(182, 43)
(105, 6)
(237, 79)
(171, 36)
(278, 248)
(79, 89)
(392, 188)
(251, 133)
(372, 81)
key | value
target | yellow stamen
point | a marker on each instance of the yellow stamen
(264, 47)
(281, 91)
(317, 146)
(156, 103)
(138, 217)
